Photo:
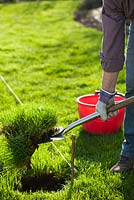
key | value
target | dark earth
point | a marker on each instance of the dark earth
(44, 182)
(89, 14)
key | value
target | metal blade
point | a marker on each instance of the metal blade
(60, 134)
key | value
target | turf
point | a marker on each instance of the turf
(49, 59)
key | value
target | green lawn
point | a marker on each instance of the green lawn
(49, 59)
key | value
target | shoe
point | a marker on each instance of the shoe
(125, 164)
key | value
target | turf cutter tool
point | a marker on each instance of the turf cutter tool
(60, 131)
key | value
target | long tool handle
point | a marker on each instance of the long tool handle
(95, 115)
(81, 121)
(121, 104)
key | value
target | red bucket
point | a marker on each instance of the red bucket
(87, 106)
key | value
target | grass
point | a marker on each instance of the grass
(50, 60)
(24, 129)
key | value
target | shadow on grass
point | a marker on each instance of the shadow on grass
(127, 186)
(99, 148)
(105, 149)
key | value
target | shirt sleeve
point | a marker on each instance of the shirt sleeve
(113, 43)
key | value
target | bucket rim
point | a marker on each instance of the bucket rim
(89, 95)
(86, 104)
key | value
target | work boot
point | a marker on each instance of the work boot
(125, 164)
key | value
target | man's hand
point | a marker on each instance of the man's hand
(105, 101)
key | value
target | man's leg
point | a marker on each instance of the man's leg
(128, 145)
(127, 154)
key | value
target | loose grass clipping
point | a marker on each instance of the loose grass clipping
(25, 128)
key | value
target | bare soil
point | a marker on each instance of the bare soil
(89, 18)
(44, 181)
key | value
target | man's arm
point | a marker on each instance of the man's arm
(109, 80)
(113, 44)
(112, 55)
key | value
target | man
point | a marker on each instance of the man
(114, 15)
